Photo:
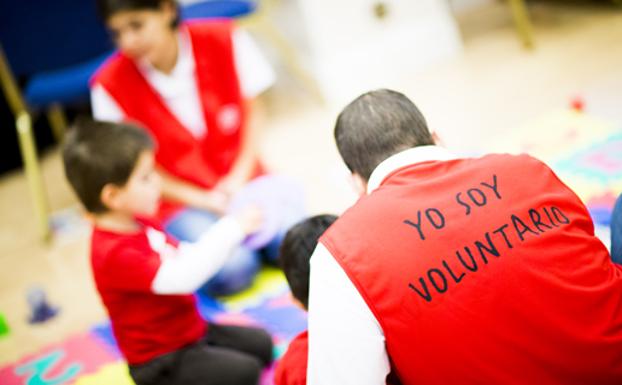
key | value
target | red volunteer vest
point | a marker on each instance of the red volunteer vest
(200, 161)
(484, 271)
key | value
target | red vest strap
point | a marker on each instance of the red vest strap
(201, 161)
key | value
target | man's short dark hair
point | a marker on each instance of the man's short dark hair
(296, 250)
(375, 126)
(98, 153)
(108, 8)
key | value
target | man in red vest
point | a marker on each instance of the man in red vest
(461, 270)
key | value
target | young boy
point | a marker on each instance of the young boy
(295, 252)
(145, 279)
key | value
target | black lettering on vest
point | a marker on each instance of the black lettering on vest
(557, 211)
(493, 187)
(439, 216)
(549, 216)
(417, 225)
(426, 294)
(453, 276)
(473, 265)
(491, 249)
(505, 237)
(482, 200)
(525, 229)
(462, 203)
(536, 220)
(444, 287)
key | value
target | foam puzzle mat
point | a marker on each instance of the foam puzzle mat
(93, 358)
(584, 151)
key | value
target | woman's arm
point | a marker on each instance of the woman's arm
(178, 190)
(246, 162)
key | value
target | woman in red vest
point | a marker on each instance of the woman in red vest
(455, 270)
(189, 84)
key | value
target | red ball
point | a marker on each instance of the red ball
(577, 104)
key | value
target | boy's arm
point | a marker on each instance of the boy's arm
(194, 263)
(346, 343)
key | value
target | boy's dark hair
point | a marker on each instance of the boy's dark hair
(295, 253)
(98, 153)
(375, 126)
(108, 8)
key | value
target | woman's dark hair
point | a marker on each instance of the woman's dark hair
(108, 8)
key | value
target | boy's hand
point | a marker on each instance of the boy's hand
(250, 219)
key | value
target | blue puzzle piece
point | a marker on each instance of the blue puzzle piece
(104, 334)
(208, 306)
(287, 321)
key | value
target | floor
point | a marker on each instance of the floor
(492, 88)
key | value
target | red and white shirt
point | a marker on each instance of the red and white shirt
(146, 280)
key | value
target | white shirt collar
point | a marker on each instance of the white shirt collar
(407, 157)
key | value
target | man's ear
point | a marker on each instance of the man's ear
(359, 184)
(110, 196)
(437, 139)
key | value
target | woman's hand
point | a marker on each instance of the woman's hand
(230, 184)
(212, 200)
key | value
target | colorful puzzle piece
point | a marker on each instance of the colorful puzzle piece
(59, 363)
(600, 162)
(554, 135)
(269, 283)
(109, 374)
(4, 326)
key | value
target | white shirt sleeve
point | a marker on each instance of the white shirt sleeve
(254, 71)
(346, 342)
(104, 106)
(192, 264)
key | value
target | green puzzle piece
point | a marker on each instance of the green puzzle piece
(4, 326)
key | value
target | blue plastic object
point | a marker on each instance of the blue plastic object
(218, 8)
(53, 47)
(40, 309)
(66, 86)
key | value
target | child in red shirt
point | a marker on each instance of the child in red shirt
(146, 279)
(296, 249)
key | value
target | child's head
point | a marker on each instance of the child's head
(296, 250)
(110, 166)
(375, 126)
(142, 29)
